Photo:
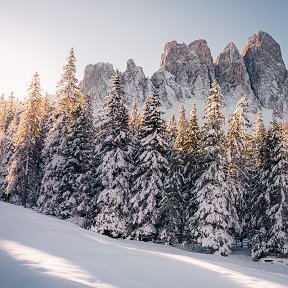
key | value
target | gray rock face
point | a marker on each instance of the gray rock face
(185, 72)
(169, 91)
(201, 48)
(232, 75)
(97, 78)
(96, 81)
(136, 85)
(267, 72)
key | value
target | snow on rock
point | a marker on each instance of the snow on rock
(192, 68)
(136, 85)
(97, 78)
(233, 78)
(96, 81)
(267, 72)
(41, 251)
(169, 91)
(186, 72)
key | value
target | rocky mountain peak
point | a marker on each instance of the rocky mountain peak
(136, 85)
(96, 81)
(174, 55)
(186, 72)
(200, 47)
(268, 75)
(232, 75)
(230, 53)
(261, 40)
(130, 65)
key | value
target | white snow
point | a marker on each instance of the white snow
(38, 251)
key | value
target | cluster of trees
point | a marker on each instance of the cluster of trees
(135, 175)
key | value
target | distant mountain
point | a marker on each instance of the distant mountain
(186, 72)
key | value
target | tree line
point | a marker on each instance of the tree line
(131, 174)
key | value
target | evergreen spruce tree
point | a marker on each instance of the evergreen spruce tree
(46, 119)
(236, 142)
(181, 138)
(45, 125)
(215, 215)
(7, 112)
(269, 224)
(23, 178)
(63, 165)
(2, 114)
(134, 130)
(87, 192)
(112, 203)
(254, 156)
(171, 207)
(134, 120)
(11, 106)
(193, 166)
(172, 130)
(150, 172)
(7, 147)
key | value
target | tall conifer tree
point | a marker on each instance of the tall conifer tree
(23, 178)
(269, 223)
(215, 215)
(150, 171)
(112, 203)
(236, 147)
(60, 153)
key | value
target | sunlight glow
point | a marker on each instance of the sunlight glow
(237, 277)
(52, 265)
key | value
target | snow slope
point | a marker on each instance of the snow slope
(38, 251)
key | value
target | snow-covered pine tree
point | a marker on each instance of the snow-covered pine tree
(11, 106)
(150, 171)
(181, 138)
(23, 178)
(45, 125)
(254, 159)
(172, 130)
(63, 166)
(184, 145)
(7, 112)
(114, 172)
(82, 145)
(134, 120)
(193, 165)
(7, 146)
(47, 111)
(134, 129)
(215, 214)
(171, 207)
(256, 142)
(269, 224)
(278, 193)
(2, 114)
(236, 142)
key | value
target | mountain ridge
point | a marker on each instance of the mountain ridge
(187, 70)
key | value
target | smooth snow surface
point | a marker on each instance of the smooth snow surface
(38, 251)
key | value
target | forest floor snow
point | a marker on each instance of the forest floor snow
(39, 251)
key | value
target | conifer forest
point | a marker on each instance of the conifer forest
(134, 174)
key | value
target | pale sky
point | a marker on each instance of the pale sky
(36, 35)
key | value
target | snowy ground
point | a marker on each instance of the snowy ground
(38, 251)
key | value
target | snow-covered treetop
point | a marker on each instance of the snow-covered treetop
(68, 95)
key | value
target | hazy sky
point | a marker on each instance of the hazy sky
(36, 35)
